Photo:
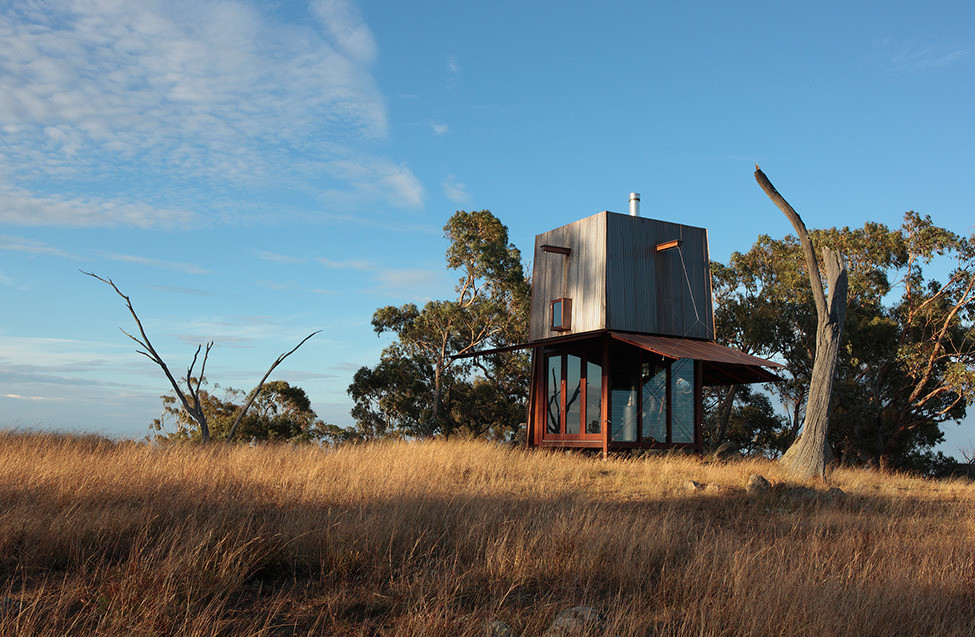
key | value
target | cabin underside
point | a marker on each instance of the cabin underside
(618, 391)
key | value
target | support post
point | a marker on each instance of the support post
(605, 411)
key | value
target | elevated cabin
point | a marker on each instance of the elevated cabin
(622, 335)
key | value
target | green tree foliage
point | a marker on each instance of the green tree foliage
(418, 388)
(280, 412)
(907, 360)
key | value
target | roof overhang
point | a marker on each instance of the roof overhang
(721, 365)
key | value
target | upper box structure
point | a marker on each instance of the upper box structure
(624, 273)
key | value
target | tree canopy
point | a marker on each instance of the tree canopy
(418, 388)
(907, 359)
(280, 412)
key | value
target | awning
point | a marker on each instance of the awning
(721, 365)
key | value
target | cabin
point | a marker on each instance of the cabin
(622, 335)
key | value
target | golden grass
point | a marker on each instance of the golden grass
(434, 538)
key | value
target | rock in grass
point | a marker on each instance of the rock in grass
(834, 493)
(693, 487)
(757, 484)
(497, 628)
(799, 495)
(575, 622)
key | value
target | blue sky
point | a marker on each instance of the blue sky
(252, 172)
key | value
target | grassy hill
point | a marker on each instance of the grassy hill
(436, 538)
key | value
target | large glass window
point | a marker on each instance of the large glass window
(573, 394)
(623, 399)
(654, 379)
(682, 401)
(594, 397)
(652, 399)
(554, 409)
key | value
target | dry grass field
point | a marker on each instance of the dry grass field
(435, 538)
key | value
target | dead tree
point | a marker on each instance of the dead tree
(192, 404)
(810, 453)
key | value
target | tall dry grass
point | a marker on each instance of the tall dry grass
(99, 537)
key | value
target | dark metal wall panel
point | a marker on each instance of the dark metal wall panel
(583, 280)
(649, 291)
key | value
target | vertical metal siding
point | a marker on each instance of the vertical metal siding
(617, 280)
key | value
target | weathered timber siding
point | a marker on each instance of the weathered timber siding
(586, 281)
(649, 291)
(617, 280)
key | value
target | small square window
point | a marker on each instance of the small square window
(562, 315)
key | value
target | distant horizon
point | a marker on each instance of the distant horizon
(249, 173)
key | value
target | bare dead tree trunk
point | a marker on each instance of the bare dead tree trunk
(810, 453)
(194, 409)
(192, 405)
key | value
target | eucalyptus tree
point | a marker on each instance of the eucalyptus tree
(413, 385)
(906, 363)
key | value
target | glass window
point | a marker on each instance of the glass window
(654, 379)
(594, 397)
(554, 382)
(573, 394)
(682, 400)
(623, 399)
(557, 314)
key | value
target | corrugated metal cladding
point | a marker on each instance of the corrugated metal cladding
(667, 292)
(617, 280)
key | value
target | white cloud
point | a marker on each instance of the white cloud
(21, 207)
(452, 68)
(277, 285)
(20, 244)
(380, 178)
(274, 257)
(187, 268)
(409, 280)
(19, 397)
(439, 129)
(931, 53)
(181, 290)
(136, 100)
(455, 190)
(343, 22)
(346, 265)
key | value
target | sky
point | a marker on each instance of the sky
(250, 172)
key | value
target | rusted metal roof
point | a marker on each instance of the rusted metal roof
(721, 365)
(687, 348)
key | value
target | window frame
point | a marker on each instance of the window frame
(586, 357)
(564, 315)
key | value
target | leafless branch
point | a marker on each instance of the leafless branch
(807, 247)
(150, 352)
(256, 390)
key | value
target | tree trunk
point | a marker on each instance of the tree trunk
(810, 453)
(724, 415)
(435, 408)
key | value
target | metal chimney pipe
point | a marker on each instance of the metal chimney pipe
(634, 204)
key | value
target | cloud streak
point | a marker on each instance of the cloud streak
(917, 54)
(136, 100)
(187, 268)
